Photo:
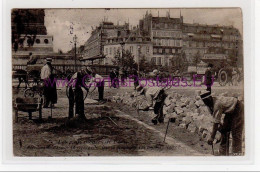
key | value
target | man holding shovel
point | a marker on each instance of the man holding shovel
(75, 94)
(156, 94)
(233, 121)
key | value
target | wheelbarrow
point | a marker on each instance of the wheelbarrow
(28, 105)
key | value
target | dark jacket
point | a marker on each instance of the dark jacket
(208, 77)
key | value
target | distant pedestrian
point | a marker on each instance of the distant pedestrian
(235, 77)
(209, 78)
(32, 60)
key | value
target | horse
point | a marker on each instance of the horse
(22, 77)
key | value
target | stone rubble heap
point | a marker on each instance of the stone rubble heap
(189, 112)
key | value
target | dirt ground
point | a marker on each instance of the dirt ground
(105, 133)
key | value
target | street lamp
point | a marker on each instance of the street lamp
(75, 44)
(139, 52)
(122, 51)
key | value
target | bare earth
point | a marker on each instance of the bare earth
(111, 129)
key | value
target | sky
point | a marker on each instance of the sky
(63, 24)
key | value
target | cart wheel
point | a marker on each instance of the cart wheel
(223, 77)
(28, 93)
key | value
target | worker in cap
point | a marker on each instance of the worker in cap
(152, 94)
(233, 121)
(75, 93)
(49, 88)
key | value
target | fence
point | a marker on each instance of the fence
(64, 68)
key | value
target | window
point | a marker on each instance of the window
(131, 49)
(106, 50)
(147, 49)
(159, 61)
(114, 50)
(167, 50)
(38, 41)
(46, 41)
(160, 50)
(178, 43)
(166, 61)
(153, 60)
(110, 51)
(154, 50)
(173, 50)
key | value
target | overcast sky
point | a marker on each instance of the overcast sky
(59, 22)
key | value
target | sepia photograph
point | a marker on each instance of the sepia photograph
(127, 82)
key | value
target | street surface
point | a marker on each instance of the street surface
(112, 129)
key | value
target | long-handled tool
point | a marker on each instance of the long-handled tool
(166, 129)
(212, 147)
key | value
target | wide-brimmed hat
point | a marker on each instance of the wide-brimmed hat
(48, 59)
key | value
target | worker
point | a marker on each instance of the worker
(32, 60)
(75, 94)
(112, 76)
(49, 88)
(156, 94)
(235, 77)
(96, 81)
(233, 121)
(209, 78)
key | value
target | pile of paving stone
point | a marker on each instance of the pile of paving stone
(189, 112)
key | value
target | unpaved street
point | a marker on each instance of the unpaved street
(111, 129)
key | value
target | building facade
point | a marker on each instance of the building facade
(166, 36)
(94, 46)
(199, 40)
(164, 41)
(138, 45)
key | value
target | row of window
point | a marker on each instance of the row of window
(166, 25)
(114, 50)
(167, 42)
(208, 37)
(166, 50)
(162, 61)
(206, 30)
(209, 44)
(167, 34)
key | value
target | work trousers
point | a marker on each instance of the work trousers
(101, 86)
(158, 107)
(233, 123)
(76, 97)
(208, 88)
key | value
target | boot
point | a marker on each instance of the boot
(155, 121)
